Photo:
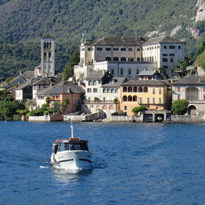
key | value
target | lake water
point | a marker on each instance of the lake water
(133, 164)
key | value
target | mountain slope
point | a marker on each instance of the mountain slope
(68, 19)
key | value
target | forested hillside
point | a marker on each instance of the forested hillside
(26, 21)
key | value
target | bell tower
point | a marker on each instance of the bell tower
(47, 57)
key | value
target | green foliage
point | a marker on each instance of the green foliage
(138, 109)
(201, 49)
(9, 106)
(179, 107)
(74, 60)
(115, 100)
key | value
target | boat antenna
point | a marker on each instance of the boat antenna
(71, 126)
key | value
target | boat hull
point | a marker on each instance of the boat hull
(71, 160)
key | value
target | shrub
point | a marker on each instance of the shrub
(179, 107)
(137, 109)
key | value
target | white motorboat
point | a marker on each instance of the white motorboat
(71, 154)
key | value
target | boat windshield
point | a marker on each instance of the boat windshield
(75, 146)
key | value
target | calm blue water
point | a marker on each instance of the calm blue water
(134, 164)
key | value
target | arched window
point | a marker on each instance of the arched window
(129, 98)
(134, 89)
(89, 82)
(134, 98)
(124, 89)
(94, 82)
(130, 59)
(124, 98)
(140, 89)
(108, 58)
(145, 89)
(115, 59)
(123, 58)
(129, 89)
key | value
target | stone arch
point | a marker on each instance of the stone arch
(192, 110)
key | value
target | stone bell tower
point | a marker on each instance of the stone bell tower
(47, 57)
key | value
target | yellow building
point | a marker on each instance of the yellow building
(153, 94)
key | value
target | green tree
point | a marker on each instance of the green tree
(179, 107)
(138, 109)
(74, 60)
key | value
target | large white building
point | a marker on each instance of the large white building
(128, 56)
(165, 51)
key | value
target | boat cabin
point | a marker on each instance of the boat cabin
(71, 144)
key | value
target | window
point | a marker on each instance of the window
(137, 71)
(108, 49)
(49, 54)
(116, 90)
(178, 89)
(124, 89)
(153, 100)
(129, 71)
(123, 49)
(179, 47)
(138, 59)
(104, 90)
(94, 82)
(89, 90)
(160, 101)
(129, 49)
(145, 89)
(112, 71)
(95, 90)
(134, 98)
(171, 54)
(160, 91)
(124, 98)
(123, 59)
(99, 49)
(171, 47)
(125, 107)
(89, 49)
(171, 60)
(115, 49)
(130, 89)
(164, 59)
(121, 71)
(140, 100)
(165, 47)
(164, 54)
(147, 100)
(153, 91)
(108, 58)
(130, 59)
(138, 49)
(115, 59)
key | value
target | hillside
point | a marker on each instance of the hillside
(23, 21)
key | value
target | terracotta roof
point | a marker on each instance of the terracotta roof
(119, 41)
(61, 88)
(191, 80)
(146, 83)
(162, 39)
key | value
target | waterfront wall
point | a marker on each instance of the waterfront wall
(187, 118)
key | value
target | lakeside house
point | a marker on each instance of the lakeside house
(192, 89)
(67, 94)
(153, 94)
